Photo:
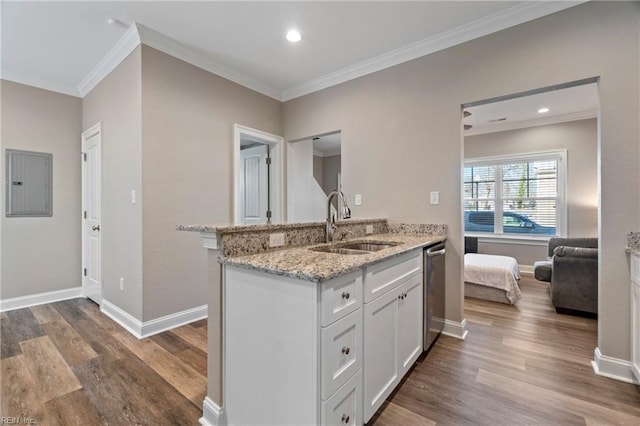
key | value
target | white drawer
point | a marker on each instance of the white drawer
(345, 406)
(385, 276)
(341, 296)
(635, 268)
(341, 352)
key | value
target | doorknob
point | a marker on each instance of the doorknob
(95, 228)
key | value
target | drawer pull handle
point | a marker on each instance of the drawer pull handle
(345, 418)
(346, 295)
(345, 351)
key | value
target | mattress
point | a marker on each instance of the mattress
(499, 272)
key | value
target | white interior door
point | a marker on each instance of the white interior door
(91, 197)
(253, 184)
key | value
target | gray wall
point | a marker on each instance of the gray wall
(42, 254)
(580, 140)
(187, 122)
(409, 120)
(116, 103)
(318, 168)
(330, 170)
(325, 172)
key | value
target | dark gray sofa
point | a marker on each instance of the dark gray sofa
(572, 270)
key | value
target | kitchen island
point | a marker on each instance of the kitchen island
(315, 337)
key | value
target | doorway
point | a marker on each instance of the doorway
(314, 169)
(91, 213)
(505, 175)
(258, 176)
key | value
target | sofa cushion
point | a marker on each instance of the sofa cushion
(542, 270)
(564, 251)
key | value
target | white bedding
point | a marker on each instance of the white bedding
(493, 271)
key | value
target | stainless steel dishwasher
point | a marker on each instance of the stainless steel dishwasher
(434, 289)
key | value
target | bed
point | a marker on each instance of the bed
(491, 277)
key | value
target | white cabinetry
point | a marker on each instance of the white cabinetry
(298, 352)
(392, 326)
(292, 349)
(635, 315)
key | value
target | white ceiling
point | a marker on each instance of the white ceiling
(566, 104)
(59, 45)
(327, 145)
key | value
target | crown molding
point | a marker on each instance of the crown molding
(178, 50)
(513, 16)
(138, 34)
(330, 153)
(127, 43)
(522, 124)
(39, 83)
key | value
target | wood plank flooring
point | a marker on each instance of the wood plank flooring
(520, 365)
(67, 364)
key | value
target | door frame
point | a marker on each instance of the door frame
(85, 136)
(275, 143)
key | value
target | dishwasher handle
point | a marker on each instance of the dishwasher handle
(438, 250)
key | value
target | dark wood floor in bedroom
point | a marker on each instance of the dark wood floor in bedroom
(67, 364)
(520, 365)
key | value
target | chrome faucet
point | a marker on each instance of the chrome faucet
(343, 213)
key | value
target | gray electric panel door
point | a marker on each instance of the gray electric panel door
(29, 183)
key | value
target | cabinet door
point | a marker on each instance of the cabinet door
(409, 324)
(380, 363)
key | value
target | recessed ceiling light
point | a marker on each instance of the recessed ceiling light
(294, 36)
(543, 110)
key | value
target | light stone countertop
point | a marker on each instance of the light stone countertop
(303, 263)
(276, 227)
(633, 243)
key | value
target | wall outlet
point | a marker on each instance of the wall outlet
(435, 197)
(276, 240)
(368, 229)
(358, 200)
(121, 283)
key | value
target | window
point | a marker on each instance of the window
(516, 195)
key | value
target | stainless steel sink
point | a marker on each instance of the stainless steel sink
(369, 246)
(338, 250)
(356, 247)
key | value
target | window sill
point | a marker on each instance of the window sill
(528, 240)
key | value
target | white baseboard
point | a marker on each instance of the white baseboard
(167, 322)
(613, 368)
(40, 299)
(212, 414)
(526, 269)
(455, 329)
(125, 319)
(144, 329)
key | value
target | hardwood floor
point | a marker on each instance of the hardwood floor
(520, 365)
(67, 364)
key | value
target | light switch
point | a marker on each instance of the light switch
(358, 200)
(133, 196)
(435, 197)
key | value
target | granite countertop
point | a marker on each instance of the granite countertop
(633, 243)
(276, 227)
(309, 265)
